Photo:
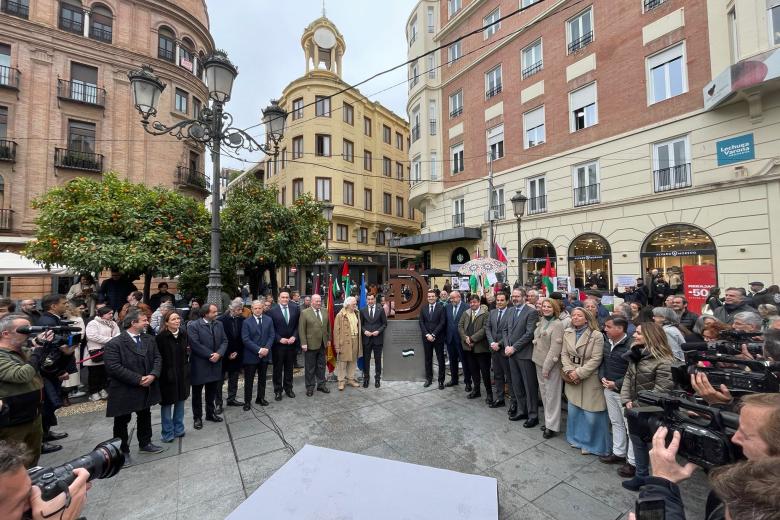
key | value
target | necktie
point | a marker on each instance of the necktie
(259, 320)
(318, 316)
(454, 312)
(371, 312)
(473, 316)
(286, 316)
(500, 314)
(430, 310)
(137, 340)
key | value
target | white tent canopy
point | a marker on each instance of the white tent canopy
(12, 264)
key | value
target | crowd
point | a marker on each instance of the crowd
(523, 350)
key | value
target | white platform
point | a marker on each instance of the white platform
(324, 484)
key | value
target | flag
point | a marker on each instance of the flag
(473, 283)
(330, 355)
(548, 274)
(344, 271)
(334, 287)
(363, 292)
(500, 256)
(347, 288)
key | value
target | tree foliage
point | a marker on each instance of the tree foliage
(90, 225)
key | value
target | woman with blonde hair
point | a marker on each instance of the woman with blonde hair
(70, 387)
(587, 425)
(649, 368)
(548, 342)
(347, 342)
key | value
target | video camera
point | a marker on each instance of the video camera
(705, 432)
(104, 461)
(738, 374)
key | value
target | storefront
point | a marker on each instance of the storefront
(590, 262)
(670, 248)
(535, 255)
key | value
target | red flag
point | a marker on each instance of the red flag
(500, 256)
(344, 270)
(331, 351)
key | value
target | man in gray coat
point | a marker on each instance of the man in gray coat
(208, 343)
(495, 336)
(519, 336)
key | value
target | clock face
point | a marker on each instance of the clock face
(325, 38)
(460, 258)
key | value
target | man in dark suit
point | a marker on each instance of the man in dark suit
(519, 337)
(432, 324)
(232, 322)
(373, 322)
(285, 317)
(495, 336)
(452, 312)
(133, 366)
(258, 335)
(209, 344)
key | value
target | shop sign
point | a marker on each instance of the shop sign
(589, 257)
(552, 260)
(698, 281)
(736, 149)
(691, 252)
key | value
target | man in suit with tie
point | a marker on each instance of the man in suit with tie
(495, 335)
(453, 311)
(432, 324)
(314, 331)
(232, 321)
(373, 322)
(519, 348)
(285, 317)
(258, 335)
(208, 344)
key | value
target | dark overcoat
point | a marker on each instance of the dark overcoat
(175, 376)
(232, 326)
(206, 339)
(126, 363)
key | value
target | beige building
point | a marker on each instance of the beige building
(348, 150)
(643, 138)
(66, 108)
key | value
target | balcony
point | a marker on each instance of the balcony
(456, 112)
(191, 178)
(536, 205)
(493, 91)
(101, 34)
(80, 92)
(433, 127)
(17, 9)
(415, 133)
(166, 54)
(9, 77)
(581, 42)
(652, 4)
(532, 69)
(72, 25)
(458, 220)
(586, 195)
(77, 160)
(674, 178)
(7, 151)
(6, 219)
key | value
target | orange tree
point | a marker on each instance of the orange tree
(91, 225)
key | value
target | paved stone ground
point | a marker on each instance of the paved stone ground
(206, 474)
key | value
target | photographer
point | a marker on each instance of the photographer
(17, 495)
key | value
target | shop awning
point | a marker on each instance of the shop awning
(437, 237)
(12, 264)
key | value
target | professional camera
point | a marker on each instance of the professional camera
(705, 432)
(735, 338)
(738, 374)
(104, 461)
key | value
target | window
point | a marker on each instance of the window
(348, 151)
(453, 6)
(342, 232)
(71, 16)
(672, 165)
(416, 173)
(322, 145)
(284, 158)
(399, 171)
(368, 159)
(349, 193)
(3, 123)
(414, 74)
(432, 167)
(387, 203)
(197, 106)
(497, 204)
(349, 114)
(415, 122)
(399, 141)
(456, 152)
(322, 106)
(101, 24)
(81, 136)
(583, 109)
(491, 23)
(411, 212)
(368, 199)
(533, 123)
(187, 55)
(537, 195)
(495, 142)
(652, 4)
(297, 108)
(399, 207)
(454, 52)
(432, 116)
(532, 59)
(413, 31)
(5, 62)
(586, 184)
(182, 98)
(5, 281)
(380, 237)
(431, 66)
(493, 82)
(166, 45)
(456, 104)
(386, 134)
(734, 35)
(83, 84)
(20, 8)
(431, 20)
(458, 212)
(297, 188)
(297, 147)
(323, 189)
(283, 196)
(387, 167)
(362, 235)
(774, 23)
(667, 76)
(367, 126)
(526, 3)
(580, 30)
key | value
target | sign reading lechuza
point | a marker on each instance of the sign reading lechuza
(697, 281)
(736, 149)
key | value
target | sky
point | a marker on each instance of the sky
(262, 38)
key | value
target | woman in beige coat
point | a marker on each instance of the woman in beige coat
(548, 342)
(347, 342)
(587, 424)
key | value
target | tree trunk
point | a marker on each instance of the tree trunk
(274, 282)
(147, 285)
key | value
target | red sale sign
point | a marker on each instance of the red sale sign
(697, 281)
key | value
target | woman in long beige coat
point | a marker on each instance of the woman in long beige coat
(587, 423)
(548, 342)
(347, 342)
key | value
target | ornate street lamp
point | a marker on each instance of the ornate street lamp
(327, 214)
(212, 128)
(518, 206)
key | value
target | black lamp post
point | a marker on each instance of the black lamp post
(388, 238)
(213, 128)
(518, 206)
(327, 214)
